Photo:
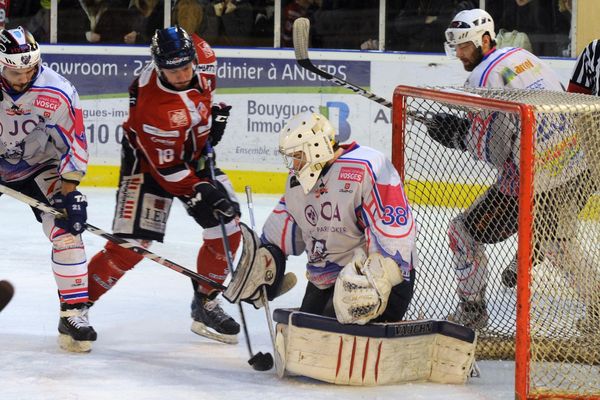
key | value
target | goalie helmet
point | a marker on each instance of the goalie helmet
(18, 49)
(172, 48)
(306, 143)
(468, 26)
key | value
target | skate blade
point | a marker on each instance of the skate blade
(67, 343)
(202, 330)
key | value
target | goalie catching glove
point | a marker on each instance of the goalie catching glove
(258, 267)
(363, 287)
(448, 130)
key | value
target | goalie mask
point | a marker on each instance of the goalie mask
(306, 143)
(18, 49)
(468, 26)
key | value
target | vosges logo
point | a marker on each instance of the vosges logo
(351, 174)
(47, 102)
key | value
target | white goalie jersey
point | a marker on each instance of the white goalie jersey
(358, 202)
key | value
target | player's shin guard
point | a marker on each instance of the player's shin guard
(212, 261)
(108, 266)
(69, 265)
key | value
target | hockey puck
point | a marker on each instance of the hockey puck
(261, 362)
(6, 293)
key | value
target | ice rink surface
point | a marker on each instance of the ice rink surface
(145, 349)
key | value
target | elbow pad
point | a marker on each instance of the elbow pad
(448, 130)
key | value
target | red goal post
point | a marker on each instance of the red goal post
(441, 183)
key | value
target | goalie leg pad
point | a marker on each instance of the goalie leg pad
(427, 350)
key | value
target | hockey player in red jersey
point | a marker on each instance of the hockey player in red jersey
(171, 117)
(45, 157)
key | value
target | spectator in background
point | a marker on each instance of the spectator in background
(294, 10)
(419, 24)
(189, 14)
(222, 22)
(122, 21)
(39, 24)
(546, 24)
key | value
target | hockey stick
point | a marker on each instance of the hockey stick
(115, 239)
(263, 295)
(258, 361)
(301, 32)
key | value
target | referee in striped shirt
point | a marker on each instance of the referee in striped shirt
(586, 77)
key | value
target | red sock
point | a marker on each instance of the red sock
(108, 266)
(212, 262)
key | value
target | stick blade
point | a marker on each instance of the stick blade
(300, 33)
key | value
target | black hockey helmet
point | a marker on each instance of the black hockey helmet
(18, 49)
(172, 48)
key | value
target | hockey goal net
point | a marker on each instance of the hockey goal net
(550, 322)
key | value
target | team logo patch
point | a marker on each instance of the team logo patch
(178, 118)
(47, 102)
(351, 174)
(311, 215)
(25, 59)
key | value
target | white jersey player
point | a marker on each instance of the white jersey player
(43, 154)
(345, 206)
(493, 216)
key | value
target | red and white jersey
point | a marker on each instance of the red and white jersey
(358, 202)
(170, 127)
(207, 63)
(513, 67)
(42, 126)
(488, 139)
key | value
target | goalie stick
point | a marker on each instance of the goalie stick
(258, 361)
(115, 239)
(301, 31)
(278, 362)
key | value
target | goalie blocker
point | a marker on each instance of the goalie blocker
(374, 354)
(259, 265)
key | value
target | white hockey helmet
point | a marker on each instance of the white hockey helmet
(306, 142)
(18, 49)
(468, 26)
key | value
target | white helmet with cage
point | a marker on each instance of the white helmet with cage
(18, 49)
(468, 26)
(306, 143)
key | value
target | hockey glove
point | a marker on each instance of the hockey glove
(220, 114)
(448, 130)
(74, 204)
(207, 195)
(363, 287)
(258, 267)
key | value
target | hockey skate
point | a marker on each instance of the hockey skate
(75, 332)
(509, 275)
(211, 321)
(472, 314)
